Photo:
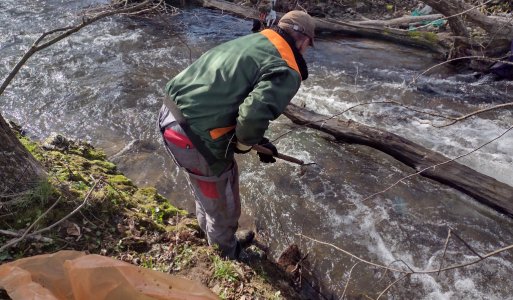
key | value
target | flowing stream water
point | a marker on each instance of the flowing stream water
(105, 85)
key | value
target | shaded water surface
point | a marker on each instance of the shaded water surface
(105, 83)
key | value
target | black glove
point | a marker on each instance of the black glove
(266, 158)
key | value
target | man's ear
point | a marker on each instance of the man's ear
(303, 45)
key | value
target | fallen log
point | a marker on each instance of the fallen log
(445, 45)
(401, 20)
(483, 188)
(427, 40)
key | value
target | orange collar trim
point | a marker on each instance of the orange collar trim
(283, 48)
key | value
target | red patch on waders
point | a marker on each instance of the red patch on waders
(208, 189)
(178, 139)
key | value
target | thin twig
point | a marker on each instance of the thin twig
(29, 235)
(26, 232)
(477, 112)
(445, 250)
(33, 237)
(453, 120)
(40, 217)
(437, 165)
(478, 57)
(71, 213)
(324, 120)
(456, 266)
(348, 279)
(354, 256)
(391, 285)
(397, 260)
(466, 244)
(67, 31)
(186, 45)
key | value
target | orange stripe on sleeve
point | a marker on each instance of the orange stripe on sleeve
(219, 132)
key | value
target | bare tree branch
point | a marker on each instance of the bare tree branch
(391, 285)
(33, 237)
(465, 243)
(445, 250)
(28, 235)
(437, 165)
(477, 57)
(73, 212)
(39, 44)
(381, 266)
(348, 279)
(477, 112)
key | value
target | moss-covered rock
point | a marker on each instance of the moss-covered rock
(136, 225)
(156, 206)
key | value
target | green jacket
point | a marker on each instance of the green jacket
(245, 83)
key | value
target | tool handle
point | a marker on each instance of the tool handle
(264, 150)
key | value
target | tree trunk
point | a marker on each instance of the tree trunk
(19, 170)
(448, 8)
(499, 30)
(483, 188)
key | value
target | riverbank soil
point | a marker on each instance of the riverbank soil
(115, 218)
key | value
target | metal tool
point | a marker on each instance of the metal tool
(264, 150)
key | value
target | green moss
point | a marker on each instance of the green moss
(156, 206)
(118, 217)
(121, 183)
(120, 179)
(76, 176)
(414, 34)
(80, 185)
(148, 194)
(93, 154)
(31, 146)
(106, 165)
(431, 36)
(423, 35)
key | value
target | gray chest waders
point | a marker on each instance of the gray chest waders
(195, 139)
